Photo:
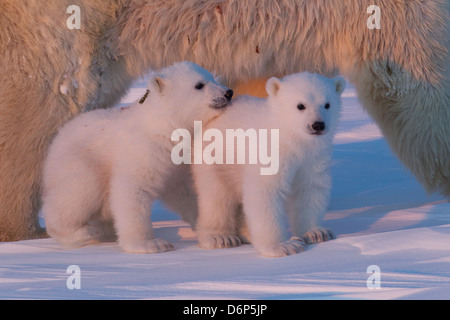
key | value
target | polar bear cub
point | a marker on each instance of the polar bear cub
(305, 109)
(106, 167)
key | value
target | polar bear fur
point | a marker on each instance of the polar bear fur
(305, 109)
(106, 167)
(51, 73)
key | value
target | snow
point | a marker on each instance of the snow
(380, 213)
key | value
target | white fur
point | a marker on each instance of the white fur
(302, 185)
(106, 167)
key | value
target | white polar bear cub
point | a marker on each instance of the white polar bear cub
(106, 167)
(305, 109)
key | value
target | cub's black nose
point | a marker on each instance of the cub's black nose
(318, 126)
(229, 94)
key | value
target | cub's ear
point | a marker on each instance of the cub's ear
(272, 86)
(339, 84)
(158, 83)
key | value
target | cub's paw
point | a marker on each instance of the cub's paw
(318, 235)
(219, 241)
(292, 246)
(147, 246)
(83, 236)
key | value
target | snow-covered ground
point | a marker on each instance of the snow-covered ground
(379, 212)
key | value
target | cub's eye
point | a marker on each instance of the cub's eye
(301, 106)
(199, 86)
(327, 106)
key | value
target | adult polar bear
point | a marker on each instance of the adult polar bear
(50, 72)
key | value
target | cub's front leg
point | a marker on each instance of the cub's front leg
(131, 210)
(263, 206)
(307, 205)
(217, 225)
